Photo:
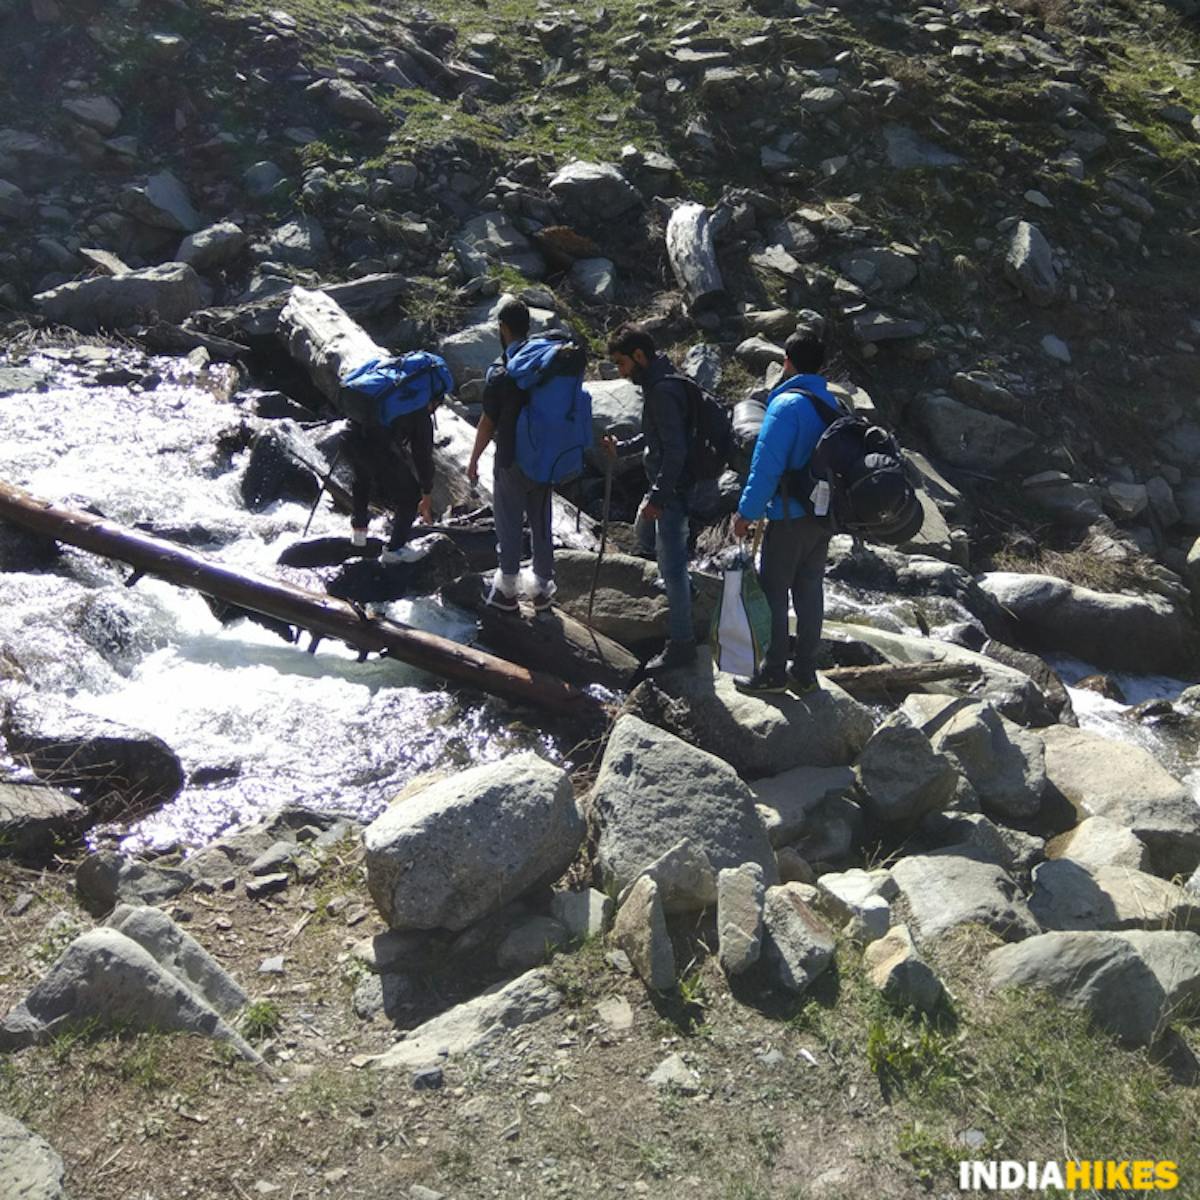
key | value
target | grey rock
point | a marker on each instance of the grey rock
(30, 1168)
(821, 101)
(702, 363)
(907, 150)
(740, 899)
(383, 953)
(1100, 842)
(1174, 958)
(950, 888)
(492, 238)
(616, 406)
(180, 954)
(1029, 265)
(584, 914)
(107, 878)
(14, 204)
(465, 846)
(1054, 347)
(675, 1074)
(786, 802)
(780, 260)
(595, 279)
(758, 353)
(267, 885)
(640, 930)
(300, 242)
(880, 266)
(898, 971)
(983, 838)
(1070, 503)
(1100, 973)
(654, 790)
(163, 202)
(755, 736)
(1068, 896)
(475, 1025)
(348, 101)
(1136, 633)
(211, 248)
(262, 178)
(900, 775)
(173, 291)
(965, 437)
(980, 390)
(798, 945)
(684, 876)
(594, 192)
(107, 976)
(873, 326)
(34, 820)
(530, 943)
(101, 113)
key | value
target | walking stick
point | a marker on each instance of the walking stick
(608, 474)
(312, 512)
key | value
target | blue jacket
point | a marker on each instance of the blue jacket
(785, 442)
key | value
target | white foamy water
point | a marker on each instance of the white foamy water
(255, 721)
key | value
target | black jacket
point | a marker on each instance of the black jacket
(665, 431)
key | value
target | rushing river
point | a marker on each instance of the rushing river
(258, 721)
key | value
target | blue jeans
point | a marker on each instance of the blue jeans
(671, 547)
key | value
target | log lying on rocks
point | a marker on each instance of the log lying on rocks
(694, 256)
(552, 641)
(323, 615)
(890, 679)
(326, 343)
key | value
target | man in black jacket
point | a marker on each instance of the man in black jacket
(664, 440)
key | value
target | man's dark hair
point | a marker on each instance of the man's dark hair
(514, 316)
(805, 350)
(628, 338)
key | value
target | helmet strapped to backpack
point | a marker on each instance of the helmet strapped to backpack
(384, 389)
(857, 475)
(555, 425)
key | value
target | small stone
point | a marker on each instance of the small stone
(674, 1073)
(266, 885)
(427, 1079)
(616, 1012)
(272, 965)
(1056, 348)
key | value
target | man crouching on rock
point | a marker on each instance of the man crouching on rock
(796, 542)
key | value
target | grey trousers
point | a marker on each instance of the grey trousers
(793, 563)
(513, 498)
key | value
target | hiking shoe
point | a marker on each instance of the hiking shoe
(675, 654)
(358, 536)
(542, 594)
(762, 683)
(400, 554)
(501, 592)
(802, 685)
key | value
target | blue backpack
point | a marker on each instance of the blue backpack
(555, 425)
(384, 389)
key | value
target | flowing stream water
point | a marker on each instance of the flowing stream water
(257, 722)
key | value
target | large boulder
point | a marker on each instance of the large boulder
(755, 736)
(300, 242)
(34, 820)
(654, 790)
(1118, 780)
(173, 291)
(786, 802)
(955, 887)
(900, 775)
(798, 946)
(616, 407)
(162, 201)
(108, 878)
(1108, 975)
(463, 847)
(1068, 896)
(30, 1168)
(115, 768)
(641, 931)
(965, 437)
(1099, 842)
(593, 192)
(212, 247)
(1132, 633)
(109, 978)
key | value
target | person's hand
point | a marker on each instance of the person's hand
(741, 527)
(425, 509)
(473, 471)
(650, 512)
(608, 444)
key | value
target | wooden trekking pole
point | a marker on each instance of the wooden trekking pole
(312, 512)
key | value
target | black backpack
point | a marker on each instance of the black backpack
(710, 432)
(869, 494)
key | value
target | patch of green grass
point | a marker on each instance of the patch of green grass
(261, 1020)
(144, 1064)
(932, 1158)
(71, 1036)
(916, 1056)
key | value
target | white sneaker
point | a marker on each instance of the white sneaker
(542, 594)
(501, 592)
(402, 554)
(358, 537)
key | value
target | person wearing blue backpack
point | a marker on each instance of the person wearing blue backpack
(539, 413)
(389, 404)
(796, 541)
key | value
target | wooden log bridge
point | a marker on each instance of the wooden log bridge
(890, 678)
(323, 615)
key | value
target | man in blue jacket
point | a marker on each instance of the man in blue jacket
(796, 542)
(664, 445)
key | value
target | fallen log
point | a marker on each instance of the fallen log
(693, 256)
(891, 678)
(551, 641)
(326, 342)
(324, 616)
